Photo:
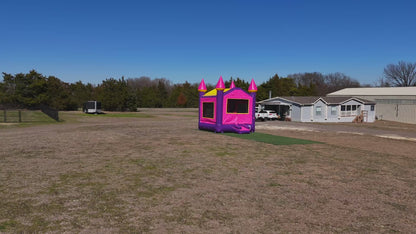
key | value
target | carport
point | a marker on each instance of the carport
(282, 109)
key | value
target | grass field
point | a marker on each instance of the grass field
(272, 139)
(26, 118)
(153, 171)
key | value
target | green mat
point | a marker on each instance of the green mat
(272, 139)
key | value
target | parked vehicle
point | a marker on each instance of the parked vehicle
(261, 115)
(271, 115)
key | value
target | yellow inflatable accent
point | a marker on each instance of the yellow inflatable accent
(213, 92)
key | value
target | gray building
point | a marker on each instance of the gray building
(321, 109)
(393, 103)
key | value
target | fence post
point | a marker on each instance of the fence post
(5, 117)
(20, 116)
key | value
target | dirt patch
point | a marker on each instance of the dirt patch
(161, 174)
(384, 137)
(7, 124)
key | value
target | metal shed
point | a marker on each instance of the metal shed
(393, 103)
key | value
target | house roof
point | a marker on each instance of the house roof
(378, 91)
(310, 100)
(340, 100)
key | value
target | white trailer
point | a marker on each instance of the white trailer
(92, 107)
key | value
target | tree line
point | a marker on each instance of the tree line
(31, 89)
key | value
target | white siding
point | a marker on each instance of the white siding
(309, 113)
(397, 112)
(319, 111)
(333, 117)
(400, 112)
(295, 114)
(371, 113)
(306, 113)
(349, 115)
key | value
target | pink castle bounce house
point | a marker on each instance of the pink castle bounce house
(227, 110)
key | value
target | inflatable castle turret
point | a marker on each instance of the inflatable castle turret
(227, 109)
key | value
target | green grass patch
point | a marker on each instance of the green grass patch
(27, 118)
(273, 184)
(272, 139)
(8, 224)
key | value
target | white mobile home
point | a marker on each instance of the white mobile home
(393, 103)
(321, 109)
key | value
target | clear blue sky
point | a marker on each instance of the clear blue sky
(189, 40)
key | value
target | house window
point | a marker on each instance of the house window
(208, 110)
(350, 110)
(372, 107)
(318, 111)
(237, 106)
(334, 110)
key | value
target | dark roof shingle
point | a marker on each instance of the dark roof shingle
(309, 100)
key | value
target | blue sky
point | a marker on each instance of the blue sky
(189, 40)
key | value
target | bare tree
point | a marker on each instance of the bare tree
(337, 81)
(381, 82)
(138, 83)
(324, 84)
(402, 74)
(308, 78)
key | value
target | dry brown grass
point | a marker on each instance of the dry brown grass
(161, 174)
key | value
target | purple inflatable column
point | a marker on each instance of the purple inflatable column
(220, 98)
(202, 88)
(252, 89)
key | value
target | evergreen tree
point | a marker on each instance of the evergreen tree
(115, 96)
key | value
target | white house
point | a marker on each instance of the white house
(321, 109)
(393, 103)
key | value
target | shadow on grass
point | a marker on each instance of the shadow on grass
(272, 139)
